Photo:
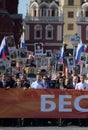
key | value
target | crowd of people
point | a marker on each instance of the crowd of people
(43, 80)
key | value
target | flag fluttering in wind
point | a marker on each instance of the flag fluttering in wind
(80, 49)
(3, 49)
(62, 56)
(22, 44)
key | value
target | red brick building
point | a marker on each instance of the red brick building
(82, 22)
(10, 20)
(44, 24)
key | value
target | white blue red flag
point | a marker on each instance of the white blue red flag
(22, 44)
(80, 49)
(62, 56)
(3, 49)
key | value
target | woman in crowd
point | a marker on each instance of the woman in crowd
(82, 84)
(60, 85)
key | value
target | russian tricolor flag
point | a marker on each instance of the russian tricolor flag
(62, 56)
(3, 49)
(80, 49)
(22, 44)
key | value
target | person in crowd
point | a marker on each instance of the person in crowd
(4, 83)
(75, 73)
(7, 82)
(52, 83)
(43, 72)
(38, 83)
(45, 81)
(82, 84)
(86, 79)
(15, 77)
(24, 82)
(18, 83)
(72, 84)
(21, 83)
(49, 76)
(71, 75)
(10, 80)
(66, 82)
(57, 81)
(60, 86)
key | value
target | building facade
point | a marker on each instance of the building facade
(82, 23)
(10, 20)
(70, 8)
(54, 23)
(44, 24)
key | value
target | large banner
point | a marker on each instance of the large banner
(43, 103)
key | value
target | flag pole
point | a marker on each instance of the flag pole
(63, 61)
(74, 54)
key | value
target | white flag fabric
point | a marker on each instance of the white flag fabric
(80, 49)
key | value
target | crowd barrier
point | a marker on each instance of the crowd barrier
(43, 103)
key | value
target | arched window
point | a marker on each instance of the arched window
(86, 12)
(53, 12)
(43, 7)
(54, 8)
(34, 12)
(49, 32)
(38, 32)
(87, 33)
(34, 9)
(44, 11)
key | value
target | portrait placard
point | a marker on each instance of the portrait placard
(13, 63)
(38, 48)
(2, 66)
(84, 57)
(13, 54)
(10, 41)
(22, 52)
(70, 63)
(49, 53)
